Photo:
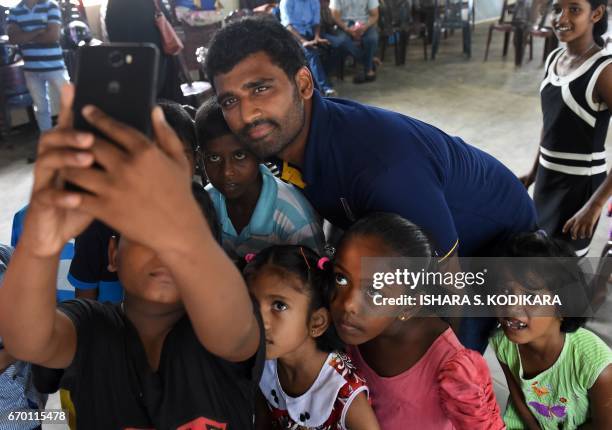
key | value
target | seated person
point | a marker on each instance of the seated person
(302, 18)
(89, 273)
(175, 353)
(255, 209)
(16, 390)
(358, 34)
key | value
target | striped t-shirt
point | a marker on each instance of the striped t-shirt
(38, 57)
(558, 398)
(282, 216)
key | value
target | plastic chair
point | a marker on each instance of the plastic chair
(505, 24)
(396, 21)
(13, 95)
(454, 14)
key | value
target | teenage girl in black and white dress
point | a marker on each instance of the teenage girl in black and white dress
(571, 187)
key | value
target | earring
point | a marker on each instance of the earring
(403, 318)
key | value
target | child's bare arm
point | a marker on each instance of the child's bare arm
(600, 398)
(518, 400)
(360, 415)
(32, 329)
(144, 192)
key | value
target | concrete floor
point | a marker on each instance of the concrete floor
(491, 105)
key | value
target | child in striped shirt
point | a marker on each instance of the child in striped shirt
(559, 374)
(255, 209)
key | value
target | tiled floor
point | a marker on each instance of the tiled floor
(491, 105)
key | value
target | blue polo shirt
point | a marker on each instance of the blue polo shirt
(302, 15)
(361, 159)
(38, 57)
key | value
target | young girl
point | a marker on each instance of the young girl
(559, 374)
(307, 382)
(571, 188)
(419, 375)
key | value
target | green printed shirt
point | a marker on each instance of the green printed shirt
(557, 397)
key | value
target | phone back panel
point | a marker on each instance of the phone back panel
(121, 80)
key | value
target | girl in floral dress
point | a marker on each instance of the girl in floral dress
(307, 382)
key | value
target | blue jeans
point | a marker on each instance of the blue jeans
(363, 52)
(39, 84)
(316, 67)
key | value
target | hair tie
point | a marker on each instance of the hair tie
(249, 257)
(321, 262)
(304, 256)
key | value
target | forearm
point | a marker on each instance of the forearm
(27, 303)
(336, 15)
(317, 31)
(213, 292)
(19, 37)
(47, 36)
(603, 193)
(296, 33)
(372, 20)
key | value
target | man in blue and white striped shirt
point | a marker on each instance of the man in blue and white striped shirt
(35, 26)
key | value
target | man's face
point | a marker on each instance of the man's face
(261, 105)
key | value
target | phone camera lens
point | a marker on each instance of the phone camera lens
(115, 59)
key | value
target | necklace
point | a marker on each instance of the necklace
(579, 59)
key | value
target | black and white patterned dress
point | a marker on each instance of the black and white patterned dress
(572, 162)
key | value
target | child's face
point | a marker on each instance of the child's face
(525, 324)
(356, 319)
(572, 19)
(284, 309)
(230, 167)
(141, 273)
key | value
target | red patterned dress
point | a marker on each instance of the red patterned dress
(324, 405)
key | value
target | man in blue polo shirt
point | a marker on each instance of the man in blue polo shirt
(35, 26)
(357, 159)
(302, 18)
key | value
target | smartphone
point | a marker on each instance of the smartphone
(121, 80)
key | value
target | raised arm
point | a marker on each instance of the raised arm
(144, 192)
(32, 329)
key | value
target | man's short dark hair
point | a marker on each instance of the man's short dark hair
(251, 35)
(210, 123)
(182, 124)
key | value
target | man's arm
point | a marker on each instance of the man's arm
(372, 19)
(337, 16)
(49, 35)
(18, 37)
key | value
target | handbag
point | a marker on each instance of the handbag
(171, 43)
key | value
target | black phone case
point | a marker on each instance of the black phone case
(121, 80)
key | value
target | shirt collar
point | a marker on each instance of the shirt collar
(262, 220)
(318, 138)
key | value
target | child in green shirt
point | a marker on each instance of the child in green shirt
(559, 374)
